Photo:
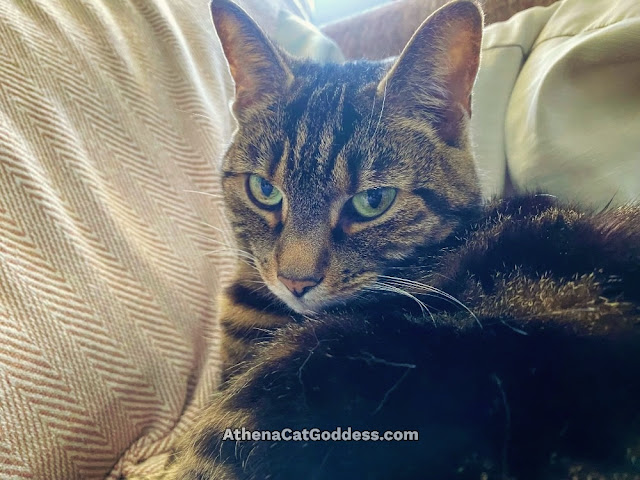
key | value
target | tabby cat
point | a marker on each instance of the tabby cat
(375, 291)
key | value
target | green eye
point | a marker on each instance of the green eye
(263, 192)
(372, 203)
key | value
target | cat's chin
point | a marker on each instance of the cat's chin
(309, 305)
(302, 306)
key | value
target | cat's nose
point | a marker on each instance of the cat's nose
(299, 286)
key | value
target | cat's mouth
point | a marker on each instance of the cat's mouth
(311, 303)
(331, 291)
(318, 299)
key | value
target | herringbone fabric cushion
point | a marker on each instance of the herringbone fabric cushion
(111, 114)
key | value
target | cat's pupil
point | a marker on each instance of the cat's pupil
(374, 197)
(266, 188)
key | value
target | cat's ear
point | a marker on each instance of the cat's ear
(433, 77)
(257, 67)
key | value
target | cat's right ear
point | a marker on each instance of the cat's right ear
(433, 77)
(257, 67)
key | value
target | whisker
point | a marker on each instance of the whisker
(373, 106)
(225, 232)
(394, 289)
(226, 248)
(384, 97)
(240, 259)
(420, 267)
(429, 288)
(212, 195)
(225, 244)
(241, 255)
(430, 291)
(208, 238)
(405, 267)
(255, 290)
(437, 292)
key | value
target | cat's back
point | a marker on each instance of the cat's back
(527, 362)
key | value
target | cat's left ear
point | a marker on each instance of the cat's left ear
(433, 77)
(257, 67)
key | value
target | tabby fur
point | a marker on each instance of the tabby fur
(322, 133)
(507, 335)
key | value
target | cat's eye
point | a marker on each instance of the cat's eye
(373, 203)
(263, 192)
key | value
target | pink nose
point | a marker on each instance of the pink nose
(299, 286)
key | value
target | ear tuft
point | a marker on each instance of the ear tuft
(256, 65)
(433, 77)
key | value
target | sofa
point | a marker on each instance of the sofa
(114, 117)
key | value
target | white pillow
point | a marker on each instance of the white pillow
(557, 102)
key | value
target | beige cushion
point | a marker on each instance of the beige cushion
(112, 114)
(557, 102)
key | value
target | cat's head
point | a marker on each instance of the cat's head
(339, 172)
